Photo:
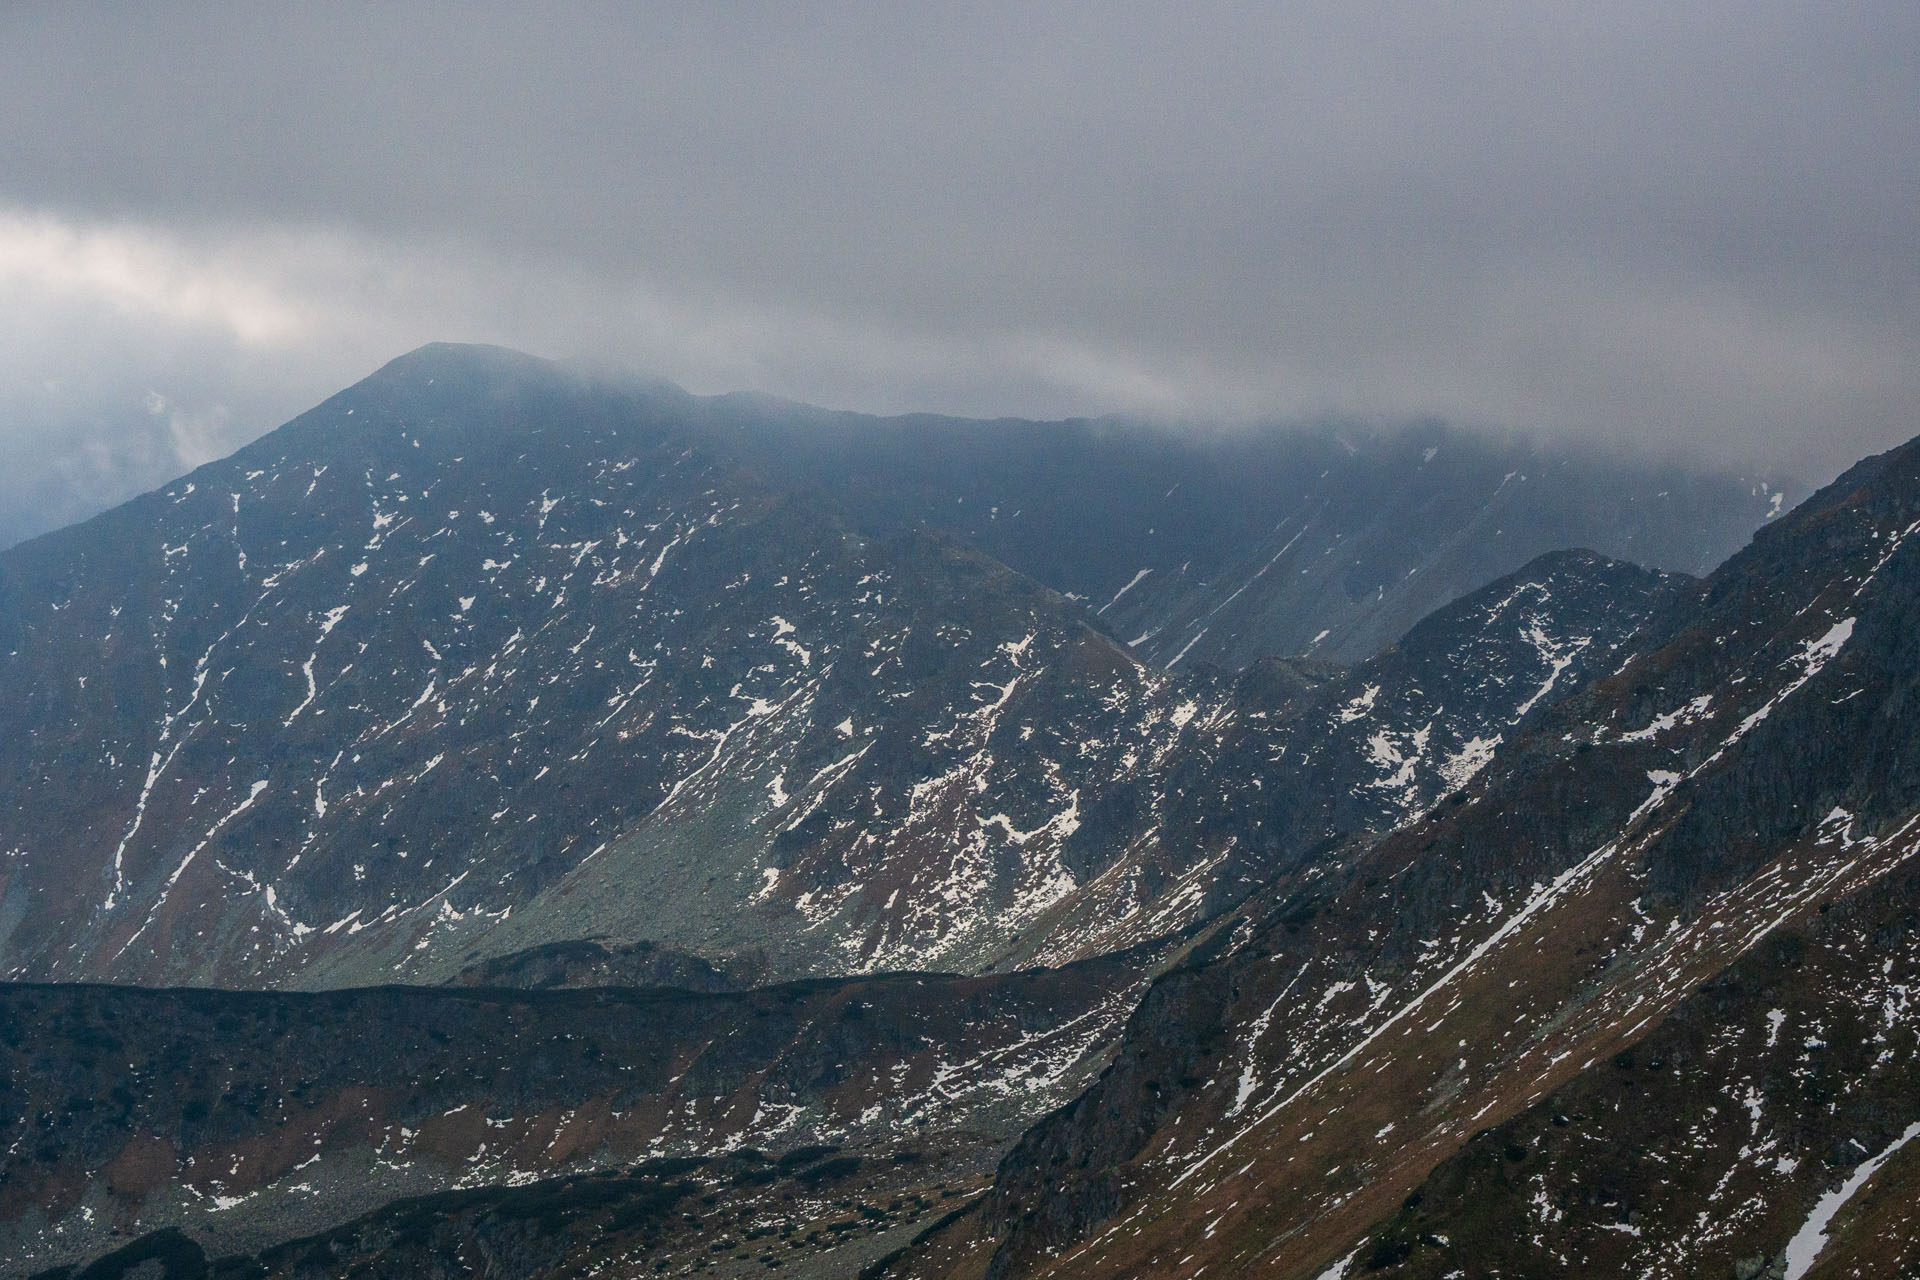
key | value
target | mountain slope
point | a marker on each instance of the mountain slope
(1708, 1146)
(1300, 758)
(395, 668)
(1275, 1100)
(480, 656)
(243, 1119)
(1330, 540)
(485, 673)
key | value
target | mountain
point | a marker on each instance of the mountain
(480, 656)
(788, 872)
(1298, 758)
(399, 666)
(1330, 540)
(1635, 1003)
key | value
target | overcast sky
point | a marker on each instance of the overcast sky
(1681, 227)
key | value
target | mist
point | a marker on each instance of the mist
(1690, 233)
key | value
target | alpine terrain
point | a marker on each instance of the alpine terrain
(515, 822)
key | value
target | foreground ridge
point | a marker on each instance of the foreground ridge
(1327, 1091)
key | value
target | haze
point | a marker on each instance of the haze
(1691, 231)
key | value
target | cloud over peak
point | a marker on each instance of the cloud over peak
(1670, 229)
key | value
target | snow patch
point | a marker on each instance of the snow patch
(1804, 1249)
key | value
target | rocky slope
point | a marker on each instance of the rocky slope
(1331, 540)
(479, 656)
(335, 706)
(1300, 758)
(813, 1213)
(1279, 1098)
(1701, 1148)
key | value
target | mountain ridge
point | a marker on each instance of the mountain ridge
(537, 692)
(438, 599)
(1635, 901)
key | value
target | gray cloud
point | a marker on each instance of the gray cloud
(1686, 228)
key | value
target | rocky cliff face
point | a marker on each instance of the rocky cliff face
(1644, 851)
(1765, 1125)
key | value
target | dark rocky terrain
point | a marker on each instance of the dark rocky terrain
(588, 962)
(813, 1212)
(1699, 861)
(1571, 933)
(1774, 1079)
(251, 1117)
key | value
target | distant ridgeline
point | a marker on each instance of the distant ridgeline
(1328, 542)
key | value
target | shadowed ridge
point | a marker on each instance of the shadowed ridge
(1747, 769)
